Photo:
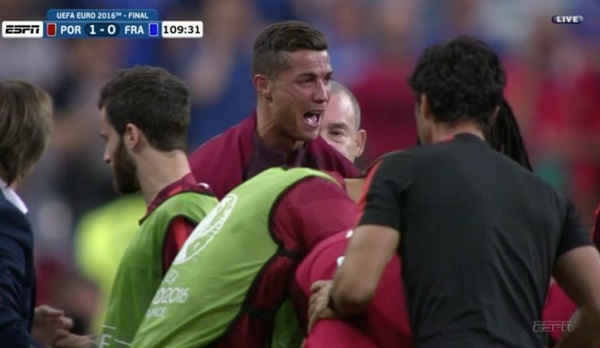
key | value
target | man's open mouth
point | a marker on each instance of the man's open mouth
(313, 118)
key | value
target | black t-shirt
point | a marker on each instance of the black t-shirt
(479, 237)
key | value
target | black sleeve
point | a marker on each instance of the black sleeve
(385, 187)
(13, 328)
(573, 233)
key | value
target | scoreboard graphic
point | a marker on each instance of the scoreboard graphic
(78, 24)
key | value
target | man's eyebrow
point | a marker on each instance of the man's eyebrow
(339, 125)
(307, 74)
(329, 74)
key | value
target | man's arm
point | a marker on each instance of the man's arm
(13, 330)
(371, 246)
(370, 249)
(596, 228)
(578, 273)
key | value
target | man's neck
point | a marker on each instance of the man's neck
(271, 135)
(443, 131)
(157, 170)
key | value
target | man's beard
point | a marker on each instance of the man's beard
(125, 172)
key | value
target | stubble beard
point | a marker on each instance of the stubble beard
(125, 178)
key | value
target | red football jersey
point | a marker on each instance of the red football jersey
(385, 323)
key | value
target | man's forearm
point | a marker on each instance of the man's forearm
(348, 302)
(585, 331)
(355, 282)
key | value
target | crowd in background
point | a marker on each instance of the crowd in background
(82, 227)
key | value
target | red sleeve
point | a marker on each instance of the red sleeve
(231, 150)
(179, 230)
(311, 211)
(337, 333)
(596, 229)
(558, 307)
(330, 159)
(362, 202)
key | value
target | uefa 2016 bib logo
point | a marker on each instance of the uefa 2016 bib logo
(208, 228)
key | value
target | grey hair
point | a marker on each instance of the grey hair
(335, 88)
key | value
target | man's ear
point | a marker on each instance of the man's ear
(131, 136)
(361, 141)
(424, 108)
(263, 86)
(495, 113)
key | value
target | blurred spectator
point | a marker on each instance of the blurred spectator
(79, 298)
(349, 35)
(37, 61)
(69, 182)
(562, 86)
(219, 71)
(100, 241)
(386, 102)
(274, 10)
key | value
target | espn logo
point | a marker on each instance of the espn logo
(552, 325)
(22, 29)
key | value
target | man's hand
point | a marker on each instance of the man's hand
(75, 341)
(49, 325)
(318, 306)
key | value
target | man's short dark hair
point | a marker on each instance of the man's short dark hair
(462, 79)
(282, 37)
(25, 128)
(153, 100)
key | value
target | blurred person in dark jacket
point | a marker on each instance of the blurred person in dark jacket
(25, 127)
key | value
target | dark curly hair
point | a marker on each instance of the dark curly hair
(461, 79)
(505, 136)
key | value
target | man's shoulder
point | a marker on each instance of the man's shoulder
(396, 157)
(331, 160)
(14, 227)
(221, 161)
(393, 155)
(214, 162)
(215, 144)
(6, 205)
(225, 140)
(529, 180)
(10, 215)
(196, 195)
